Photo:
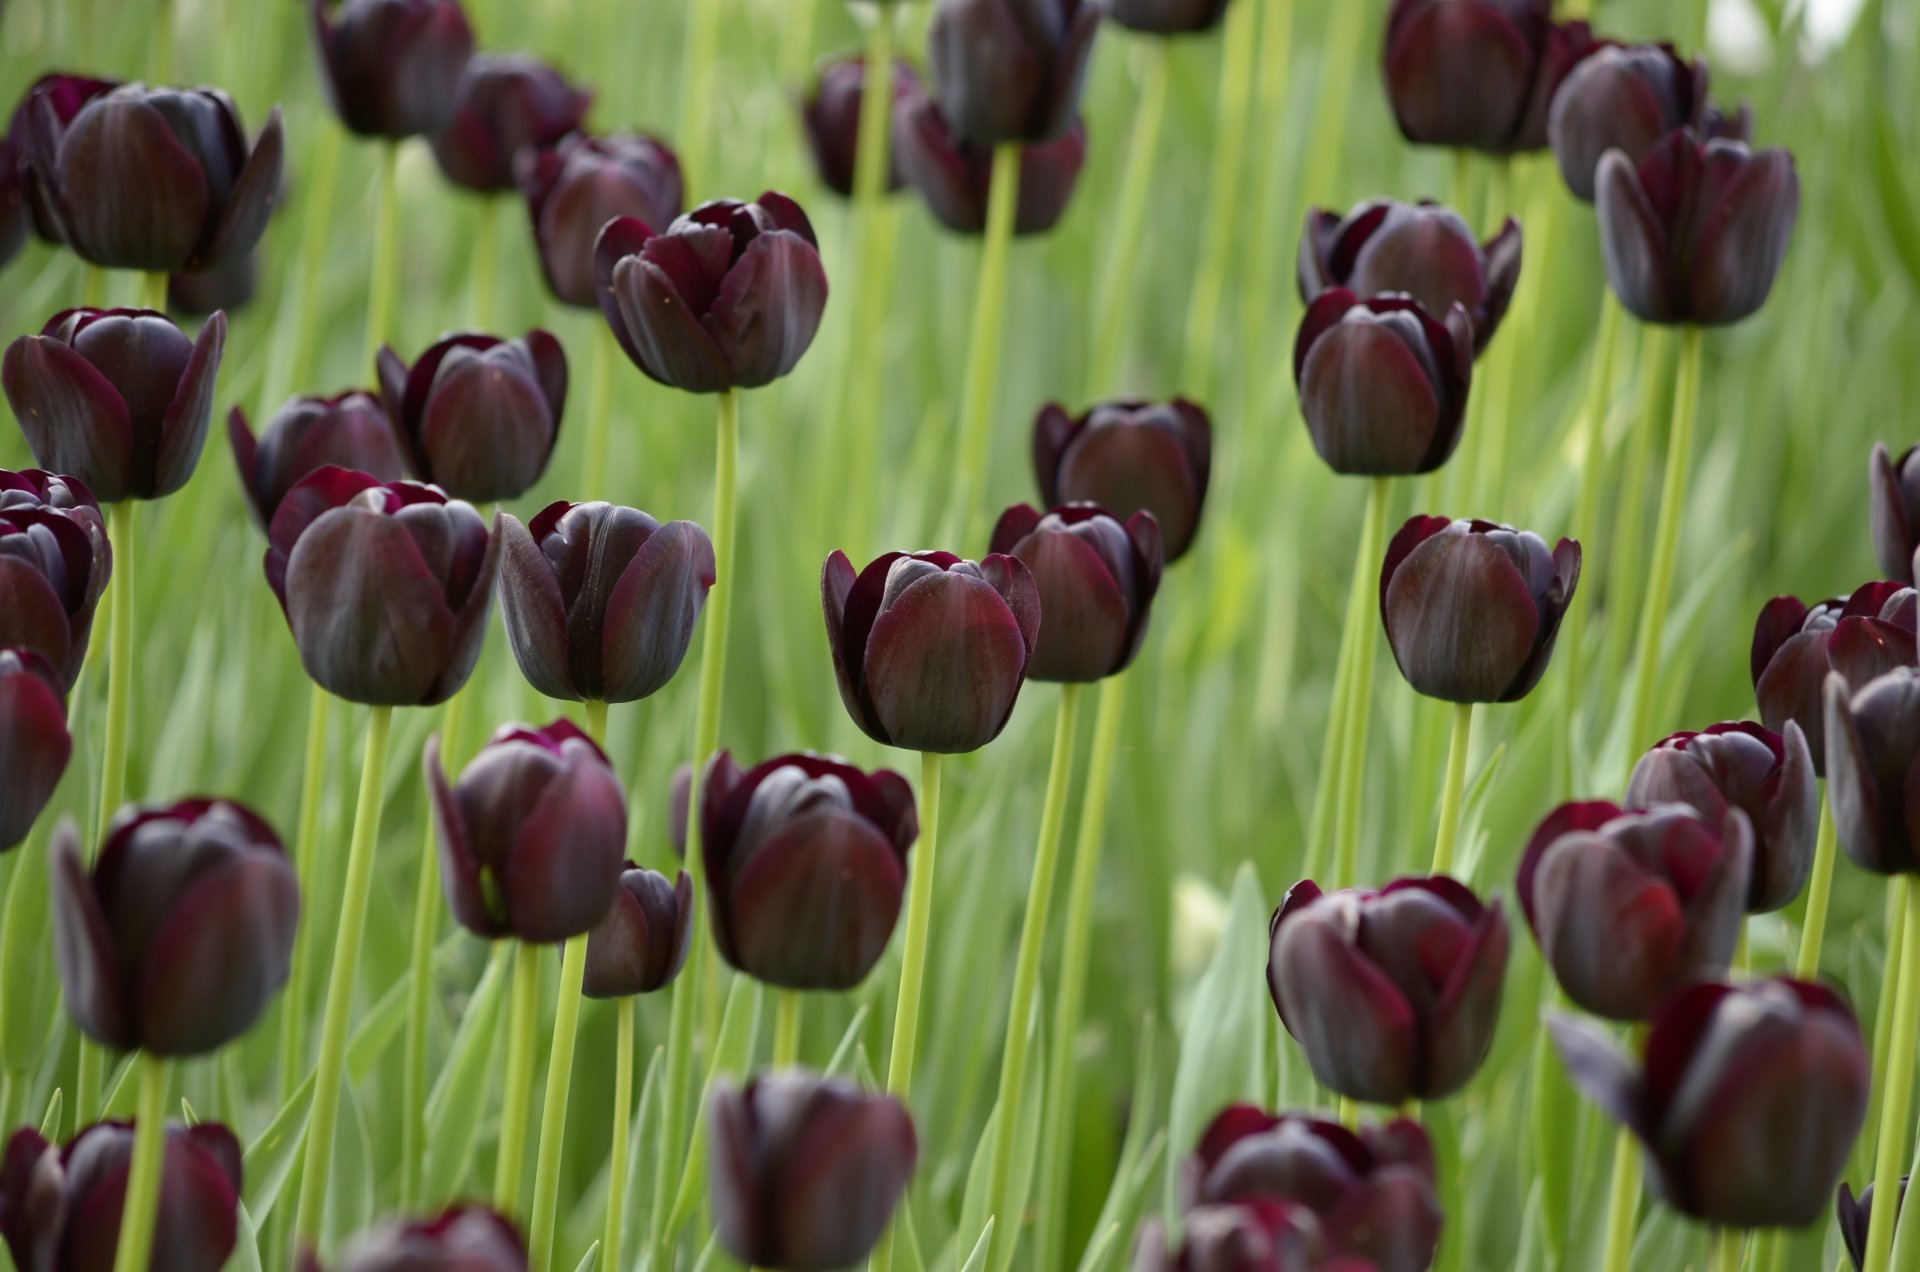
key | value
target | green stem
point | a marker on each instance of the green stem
(599, 412)
(595, 710)
(611, 1243)
(93, 287)
(140, 1211)
(1353, 777)
(1129, 218)
(516, 1100)
(553, 1113)
(1724, 1248)
(1462, 195)
(113, 769)
(426, 927)
(1894, 924)
(486, 266)
(1623, 1201)
(1323, 826)
(1819, 888)
(1443, 844)
(386, 250)
(786, 1028)
(1221, 237)
(983, 348)
(1903, 981)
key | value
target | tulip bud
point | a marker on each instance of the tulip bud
(461, 1239)
(182, 931)
(955, 177)
(1766, 775)
(532, 836)
(1894, 486)
(34, 743)
(1627, 907)
(1853, 1217)
(1251, 1236)
(54, 566)
(1624, 98)
(641, 945)
(1010, 70)
(806, 1171)
(806, 865)
(1471, 608)
(600, 600)
(1748, 1102)
(1168, 17)
(120, 398)
(1694, 231)
(930, 650)
(1794, 647)
(393, 68)
(1129, 456)
(386, 587)
(1421, 249)
(830, 114)
(1097, 580)
(222, 289)
(574, 187)
(1382, 382)
(350, 430)
(56, 100)
(1873, 768)
(1394, 995)
(479, 415)
(508, 102)
(1478, 74)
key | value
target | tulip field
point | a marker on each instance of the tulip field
(1210, 636)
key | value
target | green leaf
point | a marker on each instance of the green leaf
(978, 1259)
(246, 1251)
(838, 1062)
(1139, 1153)
(453, 1126)
(26, 991)
(50, 1124)
(587, 1261)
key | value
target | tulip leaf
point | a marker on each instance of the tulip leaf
(1473, 842)
(187, 1114)
(26, 992)
(453, 1132)
(847, 1040)
(50, 1124)
(639, 1144)
(587, 1261)
(1139, 1152)
(732, 1050)
(246, 1251)
(350, 1184)
(121, 1094)
(707, 1253)
(978, 1259)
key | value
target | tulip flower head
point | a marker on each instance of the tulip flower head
(1852, 1216)
(393, 68)
(350, 430)
(54, 565)
(34, 743)
(1794, 647)
(1478, 74)
(1873, 768)
(642, 943)
(1625, 98)
(479, 415)
(1382, 382)
(1010, 70)
(1129, 456)
(459, 1239)
(830, 115)
(56, 99)
(1097, 580)
(1894, 488)
(955, 177)
(577, 185)
(508, 102)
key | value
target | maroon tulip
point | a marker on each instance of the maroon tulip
(1097, 580)
(1627, 907)
(386, 587)
(54, 565)
(1248, 1236)
(350, 430)
(532, 836)
(1478, 74)
(222, 289)
(1010, 70)
(57, 100)
(460, 1239)
(1853, 1217)
(393, 68)
(830, 114)
(806, 861)
(930, 650)
(182, 931)
(1794, 647)
(508, 102)
(1168, 17)
(1394, 995)
(1382, 382)
(1624, 98)
(36, 487)
(1873, 769)
(120, 398)
(34, 743)
(1748, 1101)
(642, 943)
(577, 185)
(1129, 456)
(1894, 487)
(954, 177)
(479, 415)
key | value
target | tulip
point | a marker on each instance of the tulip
(34, 743)
(350, 430)
(1129, 456)
(508, 102)
(60, 1207)
(930, 650)
(478, 415)
(393, 68)
(1251, 1236)
(223, 288)
(119, 398)
(15, 220)
(1894, 486)
(1395, 994)
(1794, 648)
(600, 600)
(1472, 608)
(54, 567)
(1421, 249)
(1624, 98)
(1694, 231)
(806, 861)
(460, 1239)
(36, 487)
(1010, 70)
(728, 297)
(642, 943)
(1853, 1216)
(1382, 382)
(1748, 1102)
(56, 100)
(386, 587)
(1873, 768)
(830, 114)
(954, 176)
(574, 187)
(1766, 775)
(1168, 17)
(1097, 580)
(1627, 907)
(180, 933)
(806, 1171)
(1479, 74)
(532, 835)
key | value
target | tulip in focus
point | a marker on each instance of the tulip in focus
(1873, 768)
(1794, 647)
(1894, 488)
(393, 68)
(508, 102)
(349, 430)
(1382, 382)
(479, 415)
(1097, 580)
(1478, 74)
(955, 177)
(34, 743)
(1129, 456)
(830, 114)
(1624, 98)
(1009, 71)
(577, 185)
(642, 943)
(55, 562)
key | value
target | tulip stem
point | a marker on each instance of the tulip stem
(1443, 844)
(330, 1068)
(1724, 1248)
(386, 248)
(596, 713)
(606, 349)
(1111, 311)
(1627, 544)
(113, 769)
(611, 1243)
(486, 269)
(1353, 779)
(516, 1100)
(1623, 1202)
(786, 1028)
(141, 1210)
(1819, 888)
(553, 1113)
(426, 928)
(1892, 923)
(983, 348)
(1903, 980)
(1221, 237)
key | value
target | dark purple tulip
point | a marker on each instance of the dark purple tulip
(1097, 580)
(1394, 995)
(57, 100)
(1382, 382)
(180, 933)
(930, 650)
(1130, 456)
(1626, 98)
(120, 398)
(1248, 1236)
(642, 943)
(60, 1207)
(478, 415)
(34, 742)
(1472, 608)
(954, 176)
(1894, 485)
(36, 487)
(1794, 648)
(532, 835)
(1766, 775)
(1852, 1218)
(1010, 70)
(600, 600)
(1627, 907)
(1873, 769)
(508, 102)
(15, 219)
(222, 289)
(1747, 1103)
(1478, 74)
(830, 113)
(806, 861)
(1695, 231)
(806, 1171)
(1421, 249)
(460, 1239)
(386, 587)
(574, 187)
(54, 565)
(1168, 17)
(393, 68)
(350, 430)
(728, 297)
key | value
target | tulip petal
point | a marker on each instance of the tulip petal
(768, 308)
(1358, 1030)
(34, 618)
(183, 428)
(470, 622)
(814, 906)
(1633, 240)
(34, 744)
(550, 370)
(673, 346)
(74, 419)
(222, 953)
(1460, 1033)
(652, 610)
(563, 870)
(250, 203)
(134, 196)
(843, 1177)
(1459, 74)
(459, 866)
(1718, 911)
(1744, 235)
(486, 427)
(944, 664)
(1605, 1076)
(534, 611)
(84, 952)
(1459, 618)
(1087, 628)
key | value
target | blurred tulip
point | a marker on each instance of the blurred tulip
(386, 587)
(830, 114)
(532, 835)
(1626, 98)
(182, 931)
(479, 415)
(460, 1239)
(1129, 456)
(1471, 608)
(642, 943)
(1873, 768)
(1097, 579)
(221, 289)
(577, 185)
(1249, 1236)
(1853, 1216)
(36, 487)
(508, 102)
(1736, 125)
(930, 650)
(54, 565)
(1794, 648)
(393, 68)
(350, 430)
(120, 398)
(1010, 70)
(56, 100)
(600, 600)
(1748, 1102)
(1478, 74)
(1394, 995)
(954, 177)
(1168, 17)
(1894, 485)
(34, 743)
(1382, 382)
(15, 220)
(806, 1171)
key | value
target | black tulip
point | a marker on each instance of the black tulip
(1010, 70)
(393, 68)
(479, 415)
(954, 177)
(1382, 382)
(508, 102)
(642, 943)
